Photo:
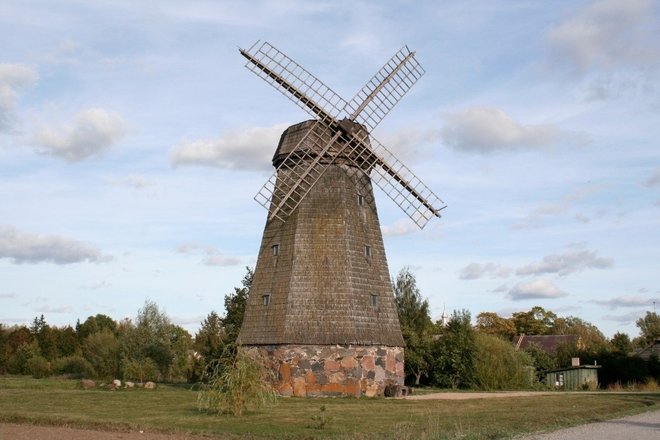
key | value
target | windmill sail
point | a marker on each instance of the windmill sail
(305, 164)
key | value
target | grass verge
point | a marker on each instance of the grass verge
(174, 409)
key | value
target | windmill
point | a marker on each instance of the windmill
(321, 303)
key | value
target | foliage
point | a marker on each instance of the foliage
(493, 324)
(245, 383)
(154, 337)
(141, 370)
(649, 328)
(499, 366)
(621, 342)
(321, 420)
(235, 307)
(541, 359)
(95, 324)
(18, 361)
(76, 366)
(38, 367)
(416, 325)
(453, 353)
(102, 351)
(536, 321)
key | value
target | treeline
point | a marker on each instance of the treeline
(482, 356)
(455, 354)
(148, 348)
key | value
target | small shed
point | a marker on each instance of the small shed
(572, 378)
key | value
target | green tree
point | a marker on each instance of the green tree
(493, 324)
(621, 343)
(235, 307)
(95, 324)
(102, 350)
(649, 328)
(453, 353)
(499, 366)
(591, 338)
(416, 324)
(536, 321)
(542, 360)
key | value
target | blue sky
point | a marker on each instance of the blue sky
(132, 141)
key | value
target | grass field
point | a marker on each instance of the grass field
(174, 409)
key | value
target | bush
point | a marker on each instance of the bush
(141, 370)
(38, 367)
(499, 366)
(243, 383)
(75, 366)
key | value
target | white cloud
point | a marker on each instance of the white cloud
(627, 301)
(536, 216)
(212, 256)
(13, 77)
(249, 149)
(23, 247)
(131, 181)
(8, 295)
(400, 227)
(654, 179)
(626, 318)
(565, 264)
(487, 130)
(606, 34)
(54, 309)
(475, 271)
(535, 289)
(93, 132)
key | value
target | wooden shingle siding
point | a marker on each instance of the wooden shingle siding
(321, 283)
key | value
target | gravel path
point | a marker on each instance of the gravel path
(644, 426)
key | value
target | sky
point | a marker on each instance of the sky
(132, 142)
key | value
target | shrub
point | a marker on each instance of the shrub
(499, 366)
(243, 383)
(141, 370)
(38, 367)
(75, 366)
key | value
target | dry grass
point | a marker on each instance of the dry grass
(173, 409)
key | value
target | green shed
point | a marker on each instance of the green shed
(573, 378)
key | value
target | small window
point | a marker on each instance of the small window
(276, 249)
(367, 250)
(265, 299)
(360, 199)
(374, 299)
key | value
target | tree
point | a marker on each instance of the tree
(493, 324)
(102, 350)
(537, 321)
(453, 353)
(622, 343)
(155, 338)
(498, 365)
(209, 339)
(416, 324)
(591, 338)
(95, 324)
(235, 306)
(649, 328)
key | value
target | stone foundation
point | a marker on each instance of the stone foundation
(334, 370)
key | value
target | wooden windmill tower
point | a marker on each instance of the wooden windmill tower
(321, 303)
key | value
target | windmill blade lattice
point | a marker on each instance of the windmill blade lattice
(328, 138)
(396, 180)
(294, 82)
(292, 182)
(382, 92)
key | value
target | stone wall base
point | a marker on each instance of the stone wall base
(334, 370)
